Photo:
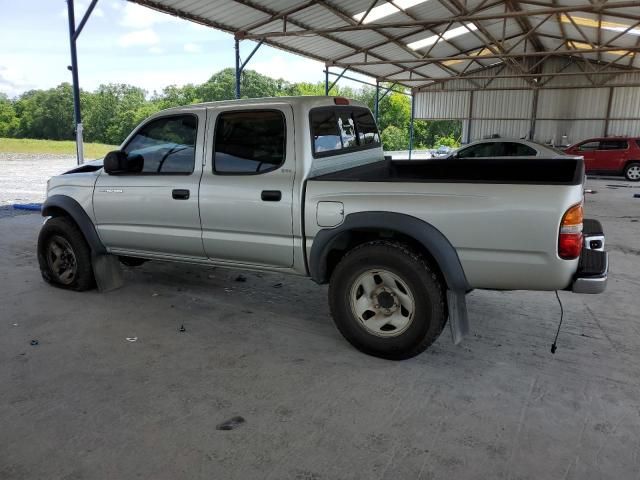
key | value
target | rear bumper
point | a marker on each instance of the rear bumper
(593, 267)
(592, 281)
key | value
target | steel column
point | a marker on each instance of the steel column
(607, 120)
(76, 84)
(238, 68)
(534, 114)
(469, 117)
(326, 81)
(376, 104)
(413, 114)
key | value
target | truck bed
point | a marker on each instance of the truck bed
(530, 171)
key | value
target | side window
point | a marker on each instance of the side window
(324, 127)
(487, 149)
(367, 129)
(588, 146)
(347, 129)
(513, 149)
(335, 129)
(613, 145)
(165, 145)
(249, 141)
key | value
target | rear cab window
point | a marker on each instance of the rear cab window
(338, 130)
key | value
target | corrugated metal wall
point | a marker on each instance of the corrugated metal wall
(507, 107)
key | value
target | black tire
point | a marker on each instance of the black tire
(630, 171)
(132, 261)
(62, 232)
(412, 269)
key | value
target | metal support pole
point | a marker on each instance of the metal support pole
(534, 114)
(469, 117)
(413, 114)
(376, 105)
(326, 81)
(607, 120)
(238, 68)
(76, 84)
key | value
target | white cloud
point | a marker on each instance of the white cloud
(139, 37)
(156, 50)
(192, 48)
(13, 81)
(135, 16)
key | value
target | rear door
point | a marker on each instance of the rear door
(155, 210)
(611, 155)
(246, 193)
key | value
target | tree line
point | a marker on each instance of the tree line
(113, 110)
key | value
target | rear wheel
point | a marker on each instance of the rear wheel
(386, 300)
(632, 172)
(64, 255)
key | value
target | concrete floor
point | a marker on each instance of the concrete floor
(87, 403)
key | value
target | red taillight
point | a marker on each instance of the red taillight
(341, 101)
(570, 236)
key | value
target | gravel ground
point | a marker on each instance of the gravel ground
(23, 176)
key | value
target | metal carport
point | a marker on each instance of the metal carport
(453, 46)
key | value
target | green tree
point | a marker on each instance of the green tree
(46, 113)
(394, 138)
(110, 112)
(8, 118)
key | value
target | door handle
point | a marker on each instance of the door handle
(271, 195)
(180, 194)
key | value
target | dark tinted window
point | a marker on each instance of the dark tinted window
(513, 149)
(487, 149)
(366, 125)
(249, 141)
(613, 145)
(589, 146)
(165, 145)
(336, 129)
(324, 126)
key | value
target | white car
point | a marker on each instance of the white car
(507, 147)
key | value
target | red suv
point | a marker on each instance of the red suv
(610, 155)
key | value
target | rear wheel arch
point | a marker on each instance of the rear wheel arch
(330, 245)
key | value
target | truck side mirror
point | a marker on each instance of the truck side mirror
(115, 162)
(118, 162)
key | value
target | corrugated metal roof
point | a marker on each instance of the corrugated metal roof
(338, 33)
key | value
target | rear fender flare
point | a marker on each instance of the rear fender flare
(424, 233)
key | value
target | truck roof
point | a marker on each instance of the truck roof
(303, 101)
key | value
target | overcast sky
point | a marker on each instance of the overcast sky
(123, 43)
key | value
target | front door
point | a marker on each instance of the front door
(588, 151)
(154, 210)
(611, 155)
(246, 193)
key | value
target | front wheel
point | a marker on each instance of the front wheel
(632, 172)
(386, 300)
(64, 255)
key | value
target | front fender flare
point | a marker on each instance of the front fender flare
(79, 215)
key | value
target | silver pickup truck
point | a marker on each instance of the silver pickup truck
(301, 186)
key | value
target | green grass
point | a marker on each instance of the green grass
(58, 147)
